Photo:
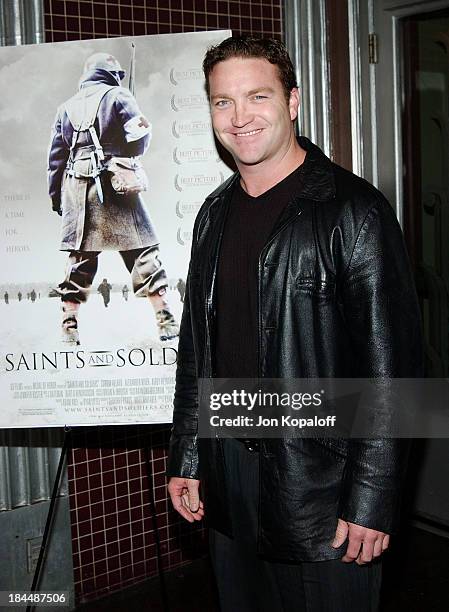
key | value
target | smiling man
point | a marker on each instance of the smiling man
(298, 270)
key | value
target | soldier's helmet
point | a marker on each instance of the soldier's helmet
(104, 61)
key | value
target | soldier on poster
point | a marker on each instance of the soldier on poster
(95, 184)
(181, 287)
(104, 289)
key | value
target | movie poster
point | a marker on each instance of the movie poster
(89, 305)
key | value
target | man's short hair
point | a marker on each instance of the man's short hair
(269, 49)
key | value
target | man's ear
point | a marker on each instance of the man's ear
(293, 103)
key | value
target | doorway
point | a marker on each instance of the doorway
(425, 40)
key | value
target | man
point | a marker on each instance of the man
(99, 124)
(104, 288)
(298, 270)
(181, 287)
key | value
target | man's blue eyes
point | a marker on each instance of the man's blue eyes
(226, 102)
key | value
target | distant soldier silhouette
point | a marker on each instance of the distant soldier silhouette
(6, 297)
(105, 289)
(125, 292)
(181, 287)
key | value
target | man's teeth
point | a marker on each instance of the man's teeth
(248, 133)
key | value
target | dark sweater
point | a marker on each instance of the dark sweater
(248, 227)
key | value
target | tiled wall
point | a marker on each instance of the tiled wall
(112, 512)
(112, 525)
(73, 20)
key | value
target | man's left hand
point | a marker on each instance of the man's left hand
(364, 544)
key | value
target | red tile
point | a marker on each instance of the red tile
(86, 557)
(109, 493)
(95, 481)
(99, 553)
(113, 563)
(122, 489)
(98, 524)
(137, 539)
(161, 507)
(86, 25)
(127, 573)
(85, 542)
(98, 539)
(139, 555)
(107, 463)
(124, 531)
(108, 478)
(58, 6)
(175, 558)
(245, 24)
(160, 493)
(135, 514)
(114, 578)
(122, 507)
(110, 520)
(125, 559)
(101, 567)
(96, 509)
(74, 530)
(83, 514)
(89, 585)
(76, 561)
(93, 453)
(151, 15)
(88, 571)
(125, 545)
(148, 538)
(112, 12)
(123, 514)
(96, 495)
(151, 567)
(134, 456)
(139, 14)
(120, 460)
(159, 465)
(101, 582)
(139, 569)
(160, 480)
(134, 471)
(76, 574)
(82, 499)
(234, 23)
(135, 499)
(99, 10)
(112, 549)
(82, 484)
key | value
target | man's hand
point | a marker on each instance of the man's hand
(364, 544)
(185, 497)
(56, 206)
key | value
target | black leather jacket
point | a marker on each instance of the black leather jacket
(336, 299)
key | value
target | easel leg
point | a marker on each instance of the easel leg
(50, 515)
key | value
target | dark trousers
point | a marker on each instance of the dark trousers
(249, 583)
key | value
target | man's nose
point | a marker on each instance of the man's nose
(242, 114)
